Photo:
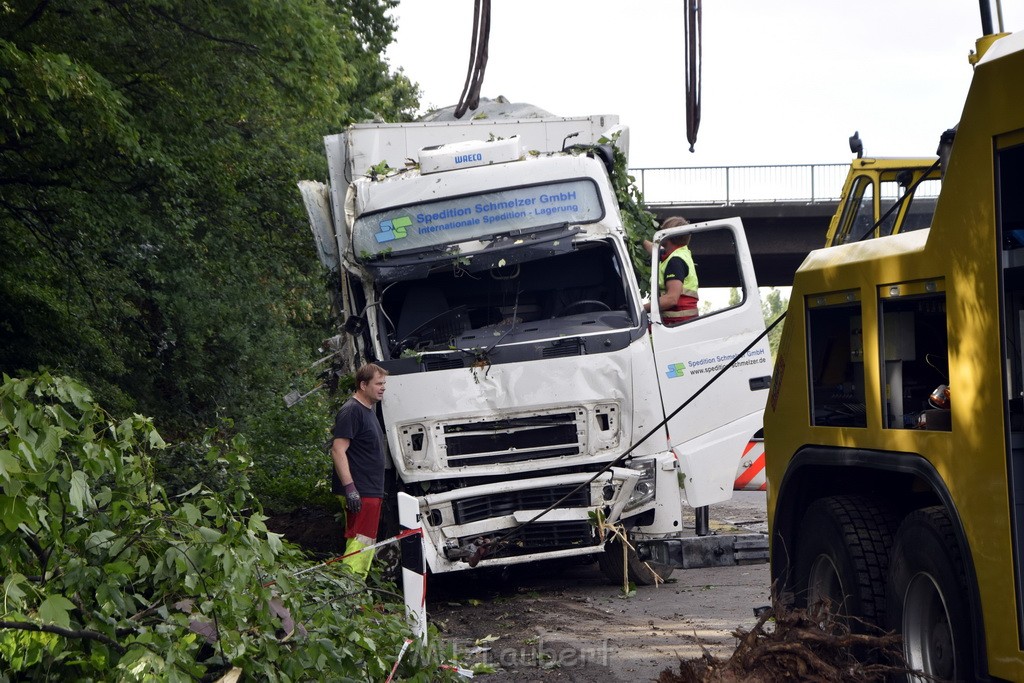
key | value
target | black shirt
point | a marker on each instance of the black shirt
(360, 426)
(676, 269)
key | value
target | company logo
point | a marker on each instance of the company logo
(466, 158)
(676, 370)
(393, 229)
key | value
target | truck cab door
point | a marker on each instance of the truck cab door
(710, 435)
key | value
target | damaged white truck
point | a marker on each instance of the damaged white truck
(491, 276)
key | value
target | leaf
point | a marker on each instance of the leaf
(14, 511)
(54, 609)
(274, 541)
(79, 396)
(99, 538)
(48, 443)
(192, 513)
(12, 590)
(118, 568)
(155, 440)
(80, 496)
(486, 639)
(9, 465)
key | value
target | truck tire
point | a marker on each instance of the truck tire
(843, 556)
(640, 573)
(928, 598)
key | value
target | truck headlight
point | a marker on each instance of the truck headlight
(646, 486)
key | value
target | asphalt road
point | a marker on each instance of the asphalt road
(567, 623)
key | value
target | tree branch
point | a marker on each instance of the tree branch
(249, 47)
(36, 14)
(66, 632)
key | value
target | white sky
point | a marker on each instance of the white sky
(783, 82)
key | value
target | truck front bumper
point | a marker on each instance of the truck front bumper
(506, 518)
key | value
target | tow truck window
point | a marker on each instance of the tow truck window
(914, 347)
(836, 360)
(858, 214)
(920, 206)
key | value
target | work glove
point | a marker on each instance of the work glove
(352, 499)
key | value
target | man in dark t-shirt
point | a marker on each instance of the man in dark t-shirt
(358, 454)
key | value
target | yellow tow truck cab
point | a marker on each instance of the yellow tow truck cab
(894, 428)
(873, 204)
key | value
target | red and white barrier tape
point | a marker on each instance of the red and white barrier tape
(405, 533)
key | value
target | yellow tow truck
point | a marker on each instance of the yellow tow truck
(894, 428)
(883, 196)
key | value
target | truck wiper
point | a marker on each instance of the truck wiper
(547, 233)
(449, 316)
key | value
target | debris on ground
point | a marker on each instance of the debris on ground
(799, 645)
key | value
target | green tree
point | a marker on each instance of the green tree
(106, 577)
(151, 237)
(774, 304)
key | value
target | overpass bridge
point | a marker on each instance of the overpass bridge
(785, 209)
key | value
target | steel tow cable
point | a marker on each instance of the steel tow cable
(478, 52)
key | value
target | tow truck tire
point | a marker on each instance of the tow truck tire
(928, 598)
(640, 573)
(843, 557)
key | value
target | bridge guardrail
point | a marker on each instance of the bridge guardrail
(739, 184)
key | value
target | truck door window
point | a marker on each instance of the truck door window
(914, 353)
(858, 214)
(1011, 232)
(836, 360)
(1010, 222)
(719, 276)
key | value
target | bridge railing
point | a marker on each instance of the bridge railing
(739, 184)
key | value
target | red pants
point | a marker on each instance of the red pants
(365, 522)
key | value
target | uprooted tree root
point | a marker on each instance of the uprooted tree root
(799, 645)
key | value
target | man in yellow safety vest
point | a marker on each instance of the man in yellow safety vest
(677, 276)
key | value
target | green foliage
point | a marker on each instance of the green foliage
(292, 466)
(639, 223)
(773, 304)
(151, 239)
(107, 577)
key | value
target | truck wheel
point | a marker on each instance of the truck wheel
(641, 573)
(842, 557)
(928, 597)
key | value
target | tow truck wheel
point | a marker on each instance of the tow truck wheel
(641, 573)
(928, 598)
(842, 557)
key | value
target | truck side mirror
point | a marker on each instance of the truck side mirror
(856, 146)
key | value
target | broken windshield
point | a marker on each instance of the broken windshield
(581, 292)
(427, 225)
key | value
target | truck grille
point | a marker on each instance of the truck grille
(514, 439)
(564, 348)
(541, 536)
(442, 364)
(497, 505)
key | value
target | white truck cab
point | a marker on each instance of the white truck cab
(491, 278)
